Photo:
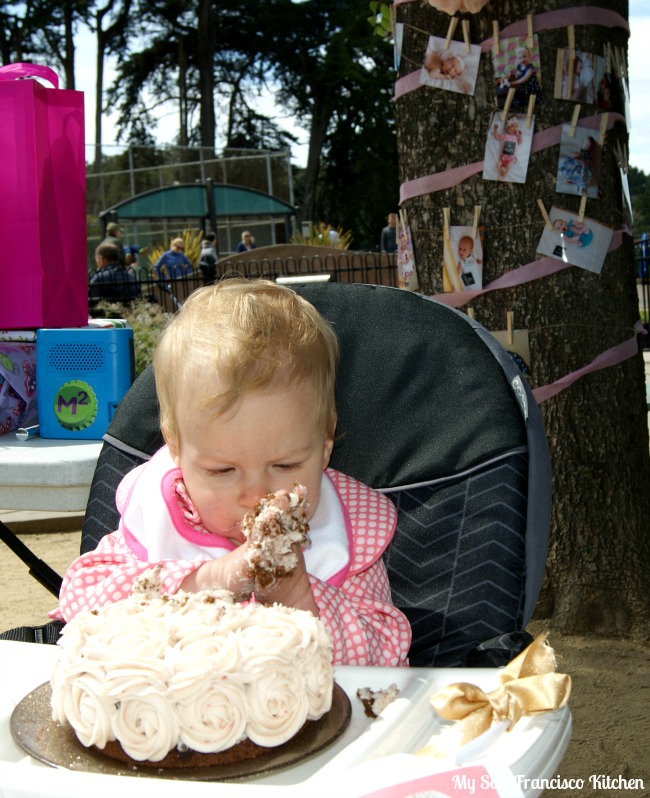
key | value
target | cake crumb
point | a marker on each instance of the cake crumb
(375, 701)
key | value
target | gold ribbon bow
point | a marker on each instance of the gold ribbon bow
(528, 685)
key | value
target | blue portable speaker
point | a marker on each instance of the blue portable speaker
(81, 375)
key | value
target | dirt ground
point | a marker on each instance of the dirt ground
(610, 700)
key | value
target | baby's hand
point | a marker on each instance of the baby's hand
(293, 590)
(228, 572)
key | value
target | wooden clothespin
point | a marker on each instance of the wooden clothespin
(604, 119)
(547, 220)
(571, 38)
(450, 31)
(510, 326)
(470, 313)
(583, 207)
(531, 39)
(477, 213)
(607, 52)
(446, 215)
(465, 24)
(531, 108)
(495, 37)
(619, 55)
(508, 103)
(574, 121)
(620, 153)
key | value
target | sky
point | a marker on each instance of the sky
(639, 70)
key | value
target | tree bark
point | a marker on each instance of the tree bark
(598, 568)
(205, 54)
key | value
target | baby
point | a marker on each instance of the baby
(245, 376)
(510, 139)
(469, 266)
(444, 65)
(574, 232)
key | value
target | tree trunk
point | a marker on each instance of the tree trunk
(205, 55)
(99, 92)
(598, 569)
(320, 120)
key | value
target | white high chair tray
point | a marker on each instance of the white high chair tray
(532, 751)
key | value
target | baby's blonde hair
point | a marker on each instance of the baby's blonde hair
(250, 335)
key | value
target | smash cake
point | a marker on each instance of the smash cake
(194, 679)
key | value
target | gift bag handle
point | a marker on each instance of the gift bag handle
(23, 69)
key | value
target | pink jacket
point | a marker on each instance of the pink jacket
(347, 575)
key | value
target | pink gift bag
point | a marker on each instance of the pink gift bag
(43, 271)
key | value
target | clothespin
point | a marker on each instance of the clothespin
(583, 206)
(620, 153)
(547, 220)
(450, 31)
(470, 313)
(495, 37)
(465, 24)
(506, 107)
(574, 121)
(620, 62)
(607, 51)
(510, 325)
(446, 212)
(604, 119)
(571, 41)
(531, 108)
(531, 40)
(401, 220)
(477, 213)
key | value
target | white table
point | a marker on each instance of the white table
(46, 473)
(365, 758)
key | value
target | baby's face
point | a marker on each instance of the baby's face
(451, 67)
(524, 57)
(560, 226)
(269, 441)
(464, 249)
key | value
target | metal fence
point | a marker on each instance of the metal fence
(374, 268)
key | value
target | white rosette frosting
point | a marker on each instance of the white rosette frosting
(204, 649)
(276, 700)
(84, 705)
(133, 635)
(145, 724)
(211, 711)
(194, 671)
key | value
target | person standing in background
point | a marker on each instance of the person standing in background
(114, 236)
(174, 262)
(111, 281)
(388, 241)
(208, 258)
(247, 242)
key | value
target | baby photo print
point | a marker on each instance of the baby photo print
(578, 170)
(452, 68)
(582, 243)
(507, 148)
(577, 77)
(517, 66)
(463, 260)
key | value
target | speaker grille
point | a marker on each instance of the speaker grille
(76, 357)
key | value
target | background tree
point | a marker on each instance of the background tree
(640, 191)
(110, 38)
(598, 572)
